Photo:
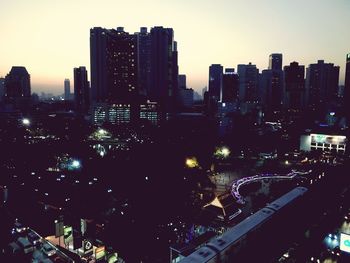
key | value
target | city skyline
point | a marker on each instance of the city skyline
(57, 40)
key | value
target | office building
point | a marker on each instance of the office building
(248, 83)
(144, 60)
(215, 75)
(182, 81)
(347, 87)
(294, 86)
(2, 88)
(66, 89)
(103, 113)
(114, 70)
(164, 68)
(229, 86)
(275, 61)
(81, 90)
(322, 81)
(17, 83)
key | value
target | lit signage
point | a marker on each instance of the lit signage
(68, 234)
(345, 242)
(329, 139)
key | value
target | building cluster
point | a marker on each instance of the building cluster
(135, 77)
(276, 89)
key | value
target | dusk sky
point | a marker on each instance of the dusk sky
(50, 38)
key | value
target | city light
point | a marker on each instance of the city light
(192, 162)
(222, 152)
(26, 122)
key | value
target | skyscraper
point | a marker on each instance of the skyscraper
(144, 60)
(322, 80)
(113, 57)
(66, 89)
(17, 83)
(347, 88)
(81, 90)
(248, 83)
(215, 75)
(2, 88)
(295, 86)
(271, 86)
(229, 86)
(275, 61)
(164, 68)
(182, 81)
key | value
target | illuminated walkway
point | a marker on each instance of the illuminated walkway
(236, 185)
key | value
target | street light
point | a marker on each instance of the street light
(26, 122)
(191, 162)
(222, 152)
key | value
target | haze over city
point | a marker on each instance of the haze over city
(51, 38)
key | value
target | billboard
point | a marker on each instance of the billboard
(345, 242)
(328, 139)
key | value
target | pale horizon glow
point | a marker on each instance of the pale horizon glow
(50, 38)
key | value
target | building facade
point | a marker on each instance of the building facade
(81, 90)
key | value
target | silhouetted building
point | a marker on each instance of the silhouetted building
(185, 98)
(66, 89)
(144, 60)
(271, 84)
(275, 61)
(248, 83)
(113, 55)
(164, 68)
(229, 86)
(294, 86)
(81, 90)
(17, 83)
(2, 88)
(347, 87)
(182, 81)
(215, 75)
(322, 80)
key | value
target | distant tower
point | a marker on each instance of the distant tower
(229, 86)
(347, 88)
(2, 88)
(322, 83)
(275, 61)
(215, 75)
(295, 86)
(81, 90)
(248, 82)
(144, 62)
(66, 89)
(182, 81)
(17, 83)
(271, 84)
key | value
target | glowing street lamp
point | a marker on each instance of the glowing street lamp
(222, 152)
(192, 162)
(75, 164)
(26, 122)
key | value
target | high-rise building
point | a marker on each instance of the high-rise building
(17, 83)
(66, 89)
(81, 90)
(322, 81)
(164, 67)
(2, 88)
(229, 86)
(275, 61)
(144, 60)
(271, 84)
(347, 87)
(182, 81)
(248, 83)
(114, 65)
(215, 75)
(294, 86)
